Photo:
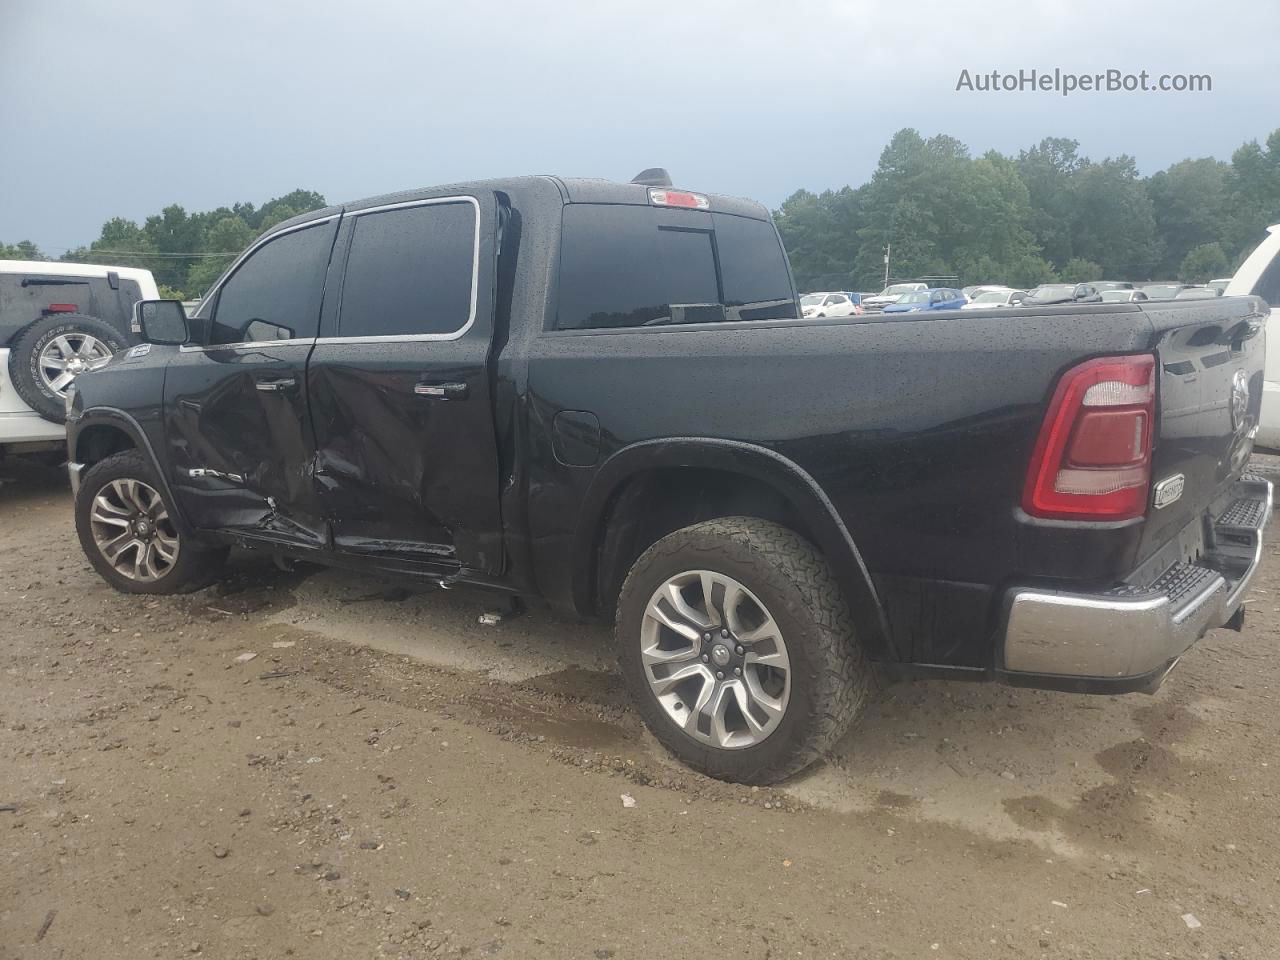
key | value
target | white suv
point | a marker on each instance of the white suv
(56, 321)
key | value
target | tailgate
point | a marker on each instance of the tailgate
(1210, 364)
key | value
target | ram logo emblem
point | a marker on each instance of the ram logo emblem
(1168, 490)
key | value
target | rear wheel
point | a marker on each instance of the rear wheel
(738, 649)
(127, 531)
(46, 358)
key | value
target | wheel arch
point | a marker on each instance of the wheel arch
(101, 432)
(759, 482)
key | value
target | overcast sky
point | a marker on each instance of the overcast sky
(119, 107)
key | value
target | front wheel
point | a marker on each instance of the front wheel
(127, 531)
(738, 649)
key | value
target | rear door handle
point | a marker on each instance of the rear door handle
(442, 391)
(276, 386)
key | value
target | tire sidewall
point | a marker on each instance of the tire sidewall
(701, 551)
(24, 357)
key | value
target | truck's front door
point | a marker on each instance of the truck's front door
(399, 386)
(237, 428)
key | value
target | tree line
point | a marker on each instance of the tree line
(1047, 214)
(185, 252)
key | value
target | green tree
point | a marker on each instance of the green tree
(1203, 263)
(22, 250)
(122, 243)
(1253, 194)
(1189, 201)
(1115, 224)
(1080, 270)
(1031, 272)
(1049, 171)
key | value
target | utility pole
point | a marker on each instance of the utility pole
(887, 248)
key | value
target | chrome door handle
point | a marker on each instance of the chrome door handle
(442, 391)
(276, 386)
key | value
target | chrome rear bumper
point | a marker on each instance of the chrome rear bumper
(1136, 632)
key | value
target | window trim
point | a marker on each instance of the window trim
(211, 296)
(475, 276)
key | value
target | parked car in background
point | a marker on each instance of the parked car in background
(1050, 293)
(941, 298)
(972, 292)
(832, 304)
(57, 320)
(1103, 285)
(890, 294)
(1219, 285)
(762, 504)
(994, 297)
(1196, 293)
(1259, 276)
(1123, 296)
(1163, 291)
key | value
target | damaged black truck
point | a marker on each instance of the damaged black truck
(602, 394)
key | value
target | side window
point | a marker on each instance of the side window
(630, 266)
(410, 271)
(275, 293)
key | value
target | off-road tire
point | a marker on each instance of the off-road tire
(24, 355)
(830, 676)
(196, 566)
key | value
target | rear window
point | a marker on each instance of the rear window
(25, 298)
(630, 266)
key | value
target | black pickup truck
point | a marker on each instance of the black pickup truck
(602, 394)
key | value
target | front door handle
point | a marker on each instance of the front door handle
(442, 391)
(276, 386)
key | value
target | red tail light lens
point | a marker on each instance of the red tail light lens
(1092, 460)
(61, 308)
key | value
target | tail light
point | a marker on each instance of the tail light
(61, 308)
(1092, 460)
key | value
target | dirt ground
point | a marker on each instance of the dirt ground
(387, 778)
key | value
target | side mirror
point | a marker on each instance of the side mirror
(162, 322)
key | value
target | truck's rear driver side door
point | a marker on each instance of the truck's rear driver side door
(235, 402)
(406, 453)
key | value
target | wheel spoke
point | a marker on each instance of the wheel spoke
(699, 706)
(676, 677)
(713, 593)
(59, 383)
(752, 698)
(166, 548)
(766, 630)
(53, 363)
(64, 347)
(99, 362)
(721, 699)
(664, 610)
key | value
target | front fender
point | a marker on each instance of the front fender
(790, 480)
(127, 424)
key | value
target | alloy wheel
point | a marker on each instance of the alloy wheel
(133, 530)
(68, 355)
(715, 659)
